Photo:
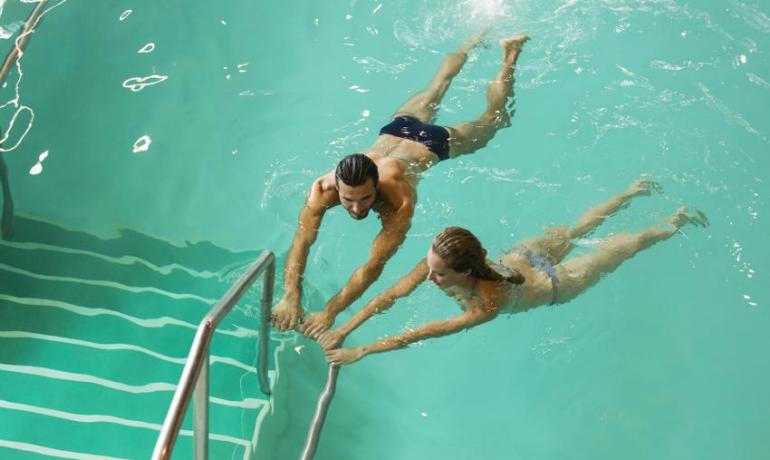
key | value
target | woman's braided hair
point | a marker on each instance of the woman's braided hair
(463, 252)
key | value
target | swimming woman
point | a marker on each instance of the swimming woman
(532, 274)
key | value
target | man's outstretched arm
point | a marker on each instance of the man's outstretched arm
(288, 312)
(386, 244)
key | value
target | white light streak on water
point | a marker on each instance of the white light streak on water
(142, 144)
(137, 84)
(15, 102)
(148, 48)
(38, 168)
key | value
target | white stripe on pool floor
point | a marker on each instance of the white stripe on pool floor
(154, 387)
(144, 322)
(120, 346)
(100, 418)
(107, 284)
(122, 260)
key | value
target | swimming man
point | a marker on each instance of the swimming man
(384, 179)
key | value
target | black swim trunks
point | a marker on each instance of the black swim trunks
(435, 137)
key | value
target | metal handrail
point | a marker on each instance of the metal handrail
(195, 375)
(322, 407)
(21, 41)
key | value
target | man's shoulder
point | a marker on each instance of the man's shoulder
(397, 191)
(323, 192)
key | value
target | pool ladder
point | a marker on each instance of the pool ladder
(194, 382)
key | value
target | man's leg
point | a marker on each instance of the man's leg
(584, 271)
(424, 104)
(469, 137)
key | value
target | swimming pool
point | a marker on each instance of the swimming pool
(661, 360)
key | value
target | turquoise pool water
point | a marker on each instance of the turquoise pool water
(252, 100)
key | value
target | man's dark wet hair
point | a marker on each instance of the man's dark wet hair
(356, 169)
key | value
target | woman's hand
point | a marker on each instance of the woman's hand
(331, 339)
(340, 356)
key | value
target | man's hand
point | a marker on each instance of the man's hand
(287, 314)
(331, 339)
(342, 356)
(316, 324)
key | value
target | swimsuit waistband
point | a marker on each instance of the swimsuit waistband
(544, 265)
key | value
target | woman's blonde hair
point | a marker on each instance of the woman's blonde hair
(463, 252)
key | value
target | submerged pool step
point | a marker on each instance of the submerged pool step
(142, 305)
(94, 336)
(21, 282)
(109, 360)
(202, 256)
(92, 436)
(52, 262)
(48, 389)
(161, 334)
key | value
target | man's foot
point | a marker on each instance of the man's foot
(512, 45)
(473, 41)
(682, 217)
(644, 187)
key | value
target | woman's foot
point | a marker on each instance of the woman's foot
(682, 217)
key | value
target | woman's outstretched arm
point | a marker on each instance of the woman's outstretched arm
(334, 338)
(430, 330)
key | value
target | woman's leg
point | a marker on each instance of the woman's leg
(556, 244)
(596, 215)
(424, 104)
(469, 137)
(577, 275)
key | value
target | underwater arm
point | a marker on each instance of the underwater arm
(288, 312)
(404, 287)
(385, 245)
(430, 330)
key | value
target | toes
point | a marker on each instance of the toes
(704, 221)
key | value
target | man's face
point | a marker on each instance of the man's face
(357, 200)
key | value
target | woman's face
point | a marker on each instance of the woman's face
(441, 274)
